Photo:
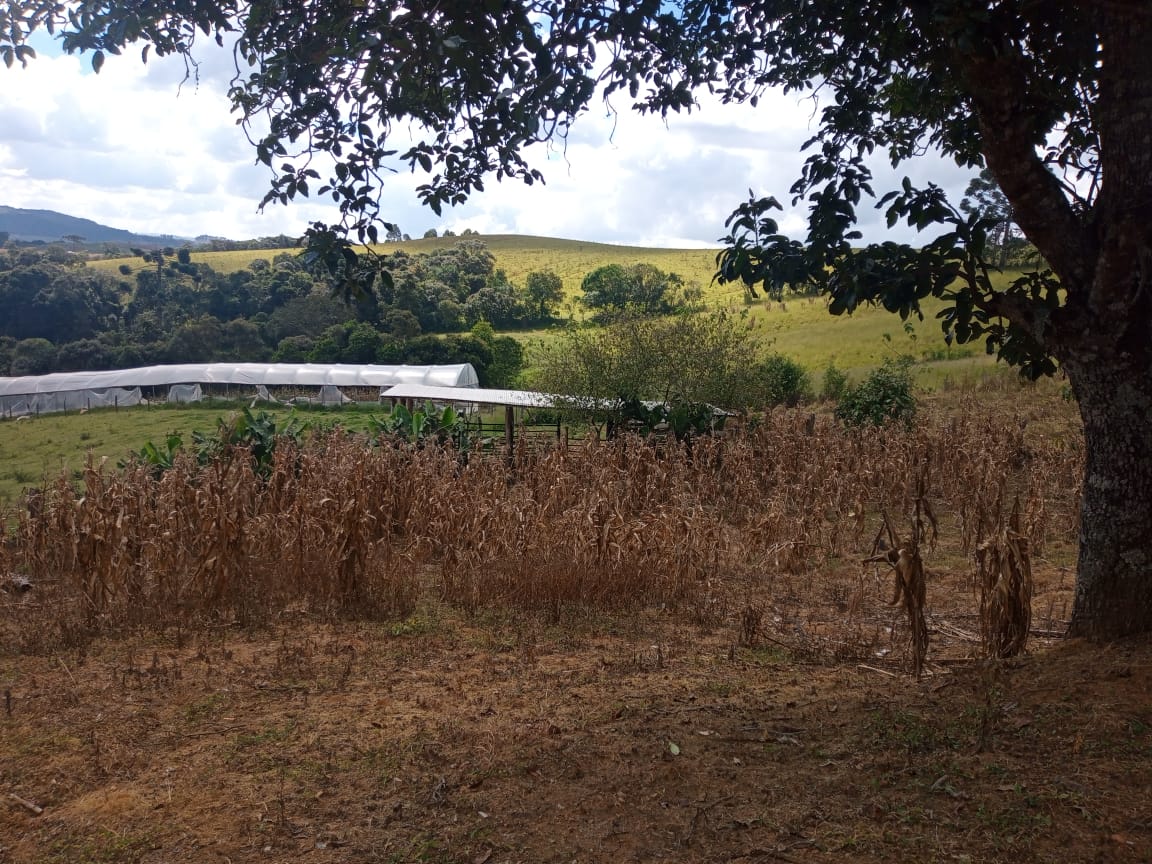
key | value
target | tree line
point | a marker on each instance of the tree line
(440, 307)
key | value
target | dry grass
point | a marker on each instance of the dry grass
(342, 528)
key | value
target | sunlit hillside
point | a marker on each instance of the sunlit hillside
(517, 255)
(799, 327)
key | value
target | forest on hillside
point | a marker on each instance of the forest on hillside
(441, 307)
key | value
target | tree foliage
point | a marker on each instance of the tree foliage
(983, 198)
(780, 380)
(1023, 87)
(884, 396)
(638, 289)
(62, 316)
(543, 292)
(700, 356)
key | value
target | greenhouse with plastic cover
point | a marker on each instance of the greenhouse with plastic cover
(310, 383)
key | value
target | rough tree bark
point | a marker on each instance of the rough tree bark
(1114, 572)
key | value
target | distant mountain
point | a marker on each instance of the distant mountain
(50, 226)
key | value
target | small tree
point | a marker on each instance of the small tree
(293, 349)
(401, 323)
(507, 355)
(782, 381)
(885, 396)
(607, 287)
(544, 291)
(33, 357)
(641, 289)
(701, 356)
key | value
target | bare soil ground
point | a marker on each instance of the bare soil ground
(504, 739)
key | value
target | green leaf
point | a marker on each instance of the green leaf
(97, 61)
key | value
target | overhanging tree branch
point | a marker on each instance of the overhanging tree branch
(1011, 136)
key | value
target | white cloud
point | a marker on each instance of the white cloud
(140, 147)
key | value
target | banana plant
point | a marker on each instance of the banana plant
(257, 433)
(161, 458)
(419, 425)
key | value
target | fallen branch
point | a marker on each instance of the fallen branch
(25, 803)
(874, 669)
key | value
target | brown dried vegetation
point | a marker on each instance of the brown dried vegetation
(343, 528)
(628, 652)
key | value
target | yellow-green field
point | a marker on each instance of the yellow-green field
(517, 255)
(803, 329)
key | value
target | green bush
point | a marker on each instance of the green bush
(884, 396)
(835, 383)
(783, 381)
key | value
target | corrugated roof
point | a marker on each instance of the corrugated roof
(514, 398)
(473, 395)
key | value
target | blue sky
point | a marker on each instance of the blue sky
(134, 148)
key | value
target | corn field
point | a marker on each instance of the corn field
(762, 530)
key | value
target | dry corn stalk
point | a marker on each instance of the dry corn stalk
(1004, 572)
(340, 527)
(910, 585)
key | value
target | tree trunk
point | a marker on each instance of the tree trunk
(1114, 573)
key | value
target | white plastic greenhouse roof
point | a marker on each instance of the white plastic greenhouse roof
(479, 396)
(252, 374)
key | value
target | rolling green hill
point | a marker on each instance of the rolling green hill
(799, 327)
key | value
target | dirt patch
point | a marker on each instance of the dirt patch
(455, 739)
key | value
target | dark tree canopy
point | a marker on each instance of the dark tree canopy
(983, 198)
(640, 289)
(1053, 97)
(544, 291)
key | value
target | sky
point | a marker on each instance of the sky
(135, 148)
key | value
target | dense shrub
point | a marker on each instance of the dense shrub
(884, 396)
(835, 383)
(783, 381)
